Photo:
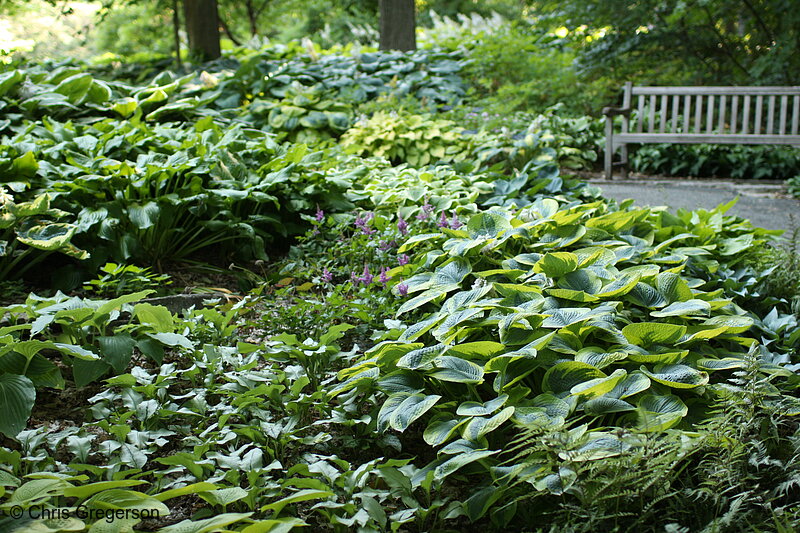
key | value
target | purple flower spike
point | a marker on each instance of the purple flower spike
(327, 277)
(403, 259)
(443, 222)
(402, 226)
(427, 209)
(366, 278)
(402, 289)
(455, 223)
(384, 278)
(361, 223)
(320, 216)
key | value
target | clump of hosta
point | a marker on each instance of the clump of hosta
(415, 139)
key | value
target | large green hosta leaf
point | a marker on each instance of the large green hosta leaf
(562, 377)
(649, 333)
(17, 396)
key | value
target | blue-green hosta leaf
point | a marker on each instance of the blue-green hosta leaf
(17, 396)
(388, 408)
(648, 333)
(487, 225)
(454, 319)
(416, 239)
(727, 363)
(564, 376)
(619, 287)
(480, 426)
(734, 323)
(366, 376)
(581, 280)
(481, 409)
(598, 357)
(457, 370)
(673, 287)
(691, 307)
(117, 350)
(634, 383)
(601, 446)
(556, 264)
(453, 273)
(598, 386)
(410, 409)
(420, 357)
(536, 417)
(452, 465)
(677, 376)
(605, 405)
(646, 296)
(659, 412)
(558, 483)
(425, 297)
(440, 431)
(512, 370)
(566, 316)
(595, 255)
(144, 216)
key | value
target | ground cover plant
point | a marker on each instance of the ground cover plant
(347, 290)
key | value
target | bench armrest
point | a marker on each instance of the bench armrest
(615, 111)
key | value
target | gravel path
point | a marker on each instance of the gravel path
(765, 204)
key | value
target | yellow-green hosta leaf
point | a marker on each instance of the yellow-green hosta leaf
(125, 106)
(648, 333)
(643, 356)
(598, 386)
(677, 376)
(556, 264)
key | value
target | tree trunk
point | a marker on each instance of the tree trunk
(176, 33)
(398, 26)
(202, 28)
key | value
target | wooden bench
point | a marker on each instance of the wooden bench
(695, 115)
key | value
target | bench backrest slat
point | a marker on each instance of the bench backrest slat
(759, 105)
(795, 114)
(746, 115)
(734, 113)
(640, 115)
(710, 114)
(782, 123)
(729, 91)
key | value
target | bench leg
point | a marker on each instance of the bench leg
(609, 159)
(623, 150)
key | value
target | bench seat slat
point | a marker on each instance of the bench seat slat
(689, 138)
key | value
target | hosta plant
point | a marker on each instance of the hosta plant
(415, 139)
(561, 316)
